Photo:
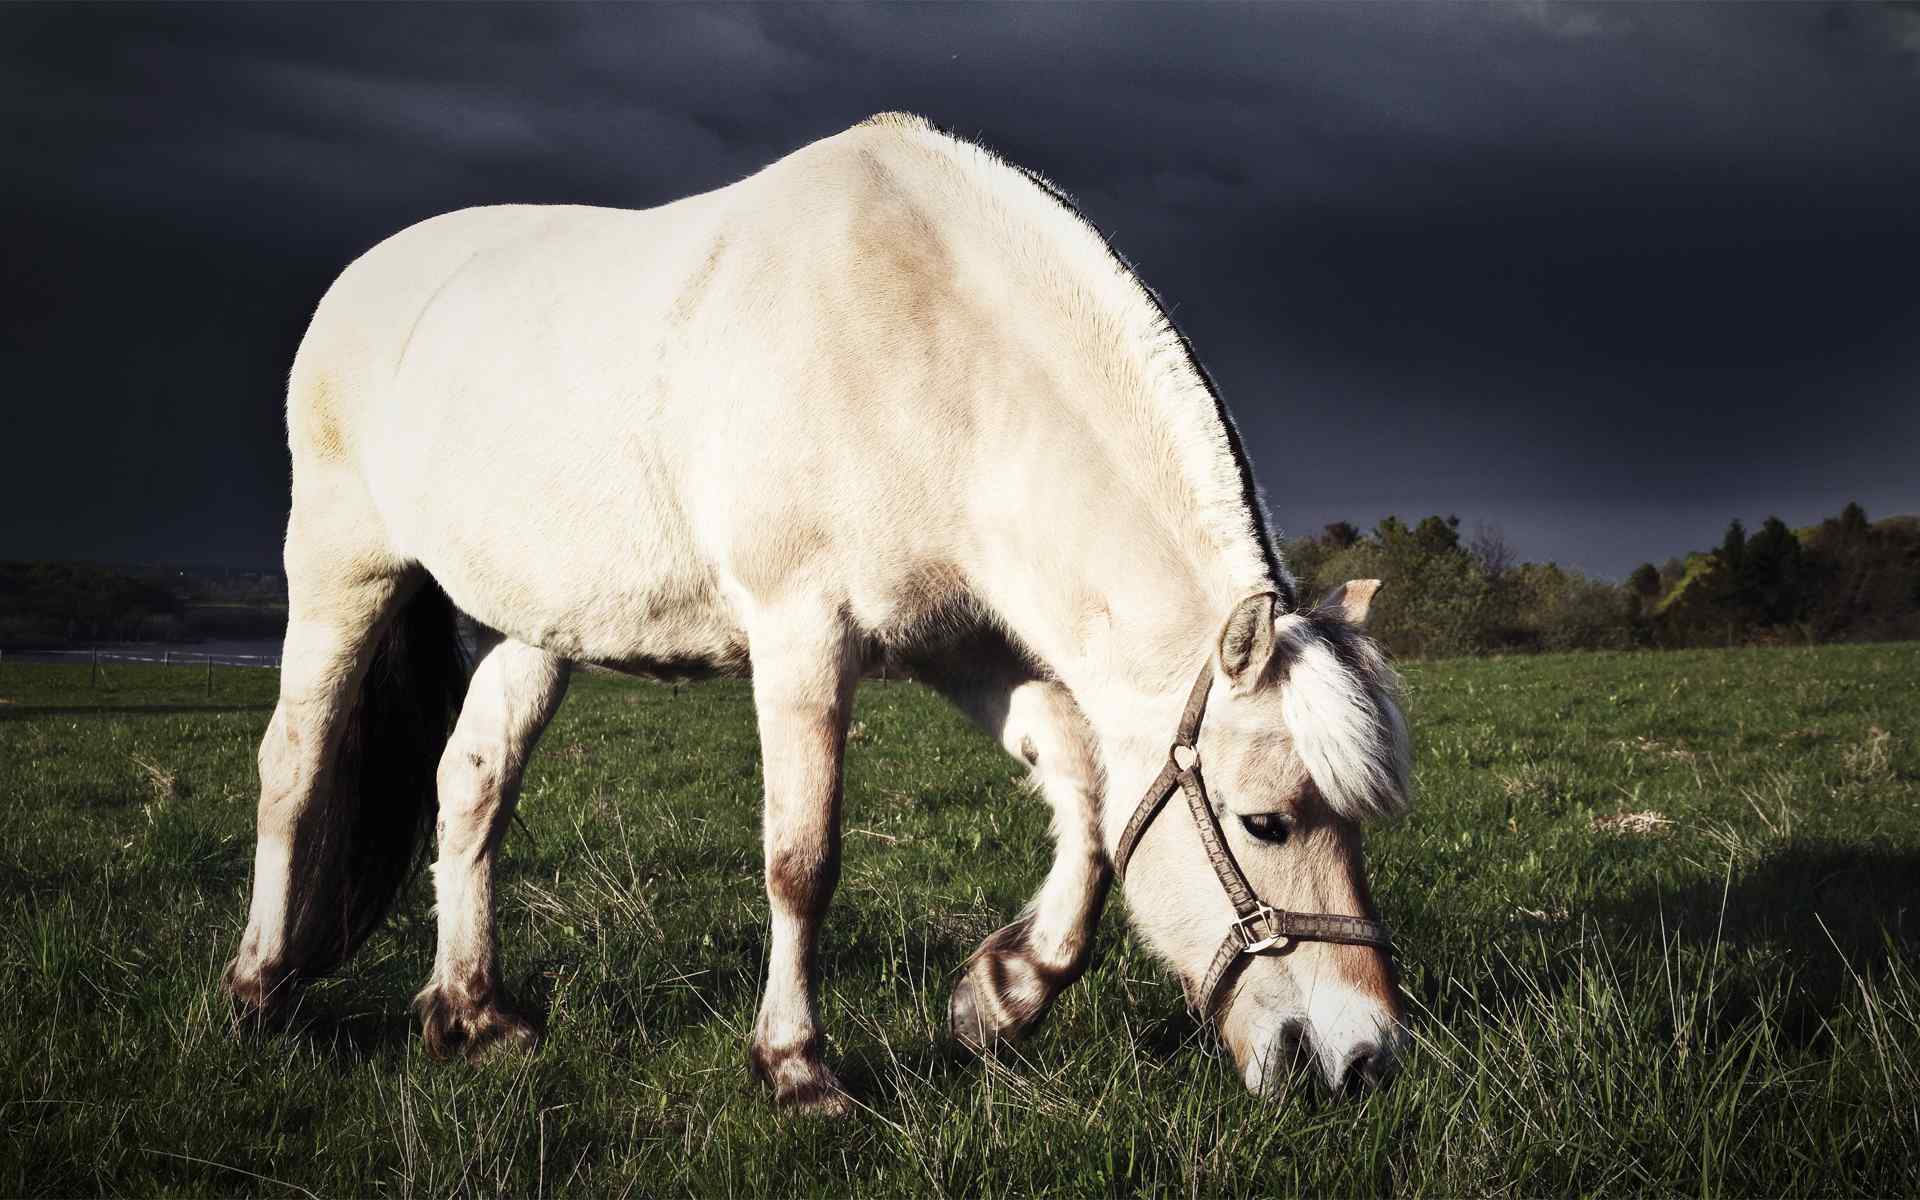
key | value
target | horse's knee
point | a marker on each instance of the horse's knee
(291, 756)
(800, 882)
(1045, 730)
(468, 763)
(281, 766)
(472, 786)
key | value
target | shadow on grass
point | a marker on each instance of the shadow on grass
(353, 1038)
(882, 1077)
(1808, 898)
(1828, 913)
(338, 1025)
(1791, 936)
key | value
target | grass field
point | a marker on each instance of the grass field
(1657, 915)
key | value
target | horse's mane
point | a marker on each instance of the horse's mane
(1143, 350)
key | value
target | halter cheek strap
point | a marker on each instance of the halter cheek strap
(1257, 926)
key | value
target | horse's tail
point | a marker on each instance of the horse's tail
(368, 833)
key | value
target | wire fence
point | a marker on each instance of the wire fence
(94, 659)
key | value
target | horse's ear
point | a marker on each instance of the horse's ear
(1247, 642)
(1352, 600)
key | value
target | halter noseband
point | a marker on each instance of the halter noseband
(1257, 926)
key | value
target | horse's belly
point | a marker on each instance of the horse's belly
(618, 602)
(571, 542)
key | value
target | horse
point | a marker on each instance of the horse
(889, 401)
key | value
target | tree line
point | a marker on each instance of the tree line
(56, 603)
(1845, 579)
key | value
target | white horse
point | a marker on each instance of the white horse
(889, 398)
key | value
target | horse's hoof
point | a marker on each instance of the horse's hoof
(259, 997)
(826, 1099)
(802, 1085)
(476, 1032)
(968, 1020)
(1002, 992)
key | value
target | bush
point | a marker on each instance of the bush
(1443, 598)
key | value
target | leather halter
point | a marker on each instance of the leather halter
(1257, 926)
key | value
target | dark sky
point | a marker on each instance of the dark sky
(1604, 276)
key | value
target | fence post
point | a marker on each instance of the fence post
(95, 680)
(166, 658)
(209, 676)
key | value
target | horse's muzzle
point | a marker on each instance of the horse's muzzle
(1347, 1057)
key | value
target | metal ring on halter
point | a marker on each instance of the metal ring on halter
(1255, 943)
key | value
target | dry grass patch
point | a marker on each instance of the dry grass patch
(1654, 746)
(162, 784)
(1543, 916)
(1872, 760)
(1639, 824)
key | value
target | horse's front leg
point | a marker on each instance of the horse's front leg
(805, 666)
(1009, 983)
(464, 1009)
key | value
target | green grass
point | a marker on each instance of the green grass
(1726, 1003)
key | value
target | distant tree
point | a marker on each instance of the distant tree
(1853, 524)
(64, 601)
(1844, 578)
(1733, 547)
(1491, 550)
(1691, 610)
(1437, 535)
(1642, 596)
(1340, 534)
(1306, 557)
(1773, 575)
(1672, 572)
(1645, 581)
(1585, 614)
(1436, 601)
(1733, 598)
(1864, 578)
(1548, 607)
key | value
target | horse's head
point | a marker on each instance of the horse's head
(1302, 741)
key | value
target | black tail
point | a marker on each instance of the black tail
(368, 833)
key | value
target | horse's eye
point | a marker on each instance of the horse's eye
(1268, 827)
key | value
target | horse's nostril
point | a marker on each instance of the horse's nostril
(1366, 1068)
(1293, 1042)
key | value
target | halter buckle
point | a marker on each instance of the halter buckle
(1254, 943)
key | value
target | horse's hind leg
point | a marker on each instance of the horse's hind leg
(1015, 975)
(805, 666)
(514, 692)
(336, 612)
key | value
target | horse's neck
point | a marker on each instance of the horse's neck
(1134, 697)
(1139, 626)
(1143, 537)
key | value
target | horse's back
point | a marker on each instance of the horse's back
(584, 421)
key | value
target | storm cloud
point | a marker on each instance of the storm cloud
(1603, 275)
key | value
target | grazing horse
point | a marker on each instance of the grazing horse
(890, 400)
